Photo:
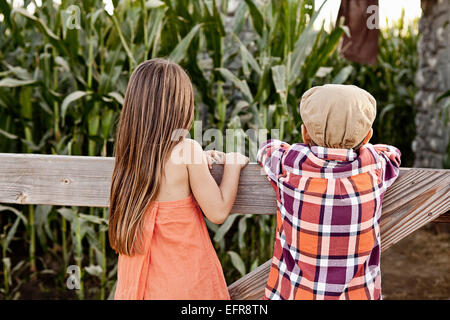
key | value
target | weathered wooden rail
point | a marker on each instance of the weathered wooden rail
(418, 197)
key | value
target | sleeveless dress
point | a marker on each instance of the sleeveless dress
(178, 262)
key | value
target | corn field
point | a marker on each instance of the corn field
(63, 74)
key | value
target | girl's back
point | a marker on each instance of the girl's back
(175, 181)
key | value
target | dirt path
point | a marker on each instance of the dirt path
(418, 267)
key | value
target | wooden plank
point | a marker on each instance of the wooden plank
(417, 197)
(85, 181)
(252, 285)
(255, 193)
(55, 180)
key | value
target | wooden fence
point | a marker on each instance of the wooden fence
(418, 197)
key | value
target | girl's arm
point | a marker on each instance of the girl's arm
(215, 201)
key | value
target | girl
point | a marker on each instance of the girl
(160, 186)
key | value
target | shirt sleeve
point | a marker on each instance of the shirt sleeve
(391, 162)
(269, 157)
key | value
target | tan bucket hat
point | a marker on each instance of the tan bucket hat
(338, 116)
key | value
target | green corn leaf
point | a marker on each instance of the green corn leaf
(8, 135)
(41, 221)
(239, 18)
(19, 72)
(79, 228)
(326, 49)
(212, 226)
(25, 106)
(237, 262)
(41, 25)
(214, 32)
(113, 290)
(5, 9)
(322, 72)
(343, 75)
(279, 78)
(94, 270)
(247, 56)
(257, 17)
(154, 26)
(254, 265)
(388, 108)
(12, 232)
(44, 29)
(62, 63)
(223, 229)
(91, 235)
(113, 272)
(240, 84)
(16, 212)
(180, 50)
(242, 228)
(151, 4)
(123, 40)
(11, 82)
(117, 96)
(67, 213)
(93, 219)
(240, 106)
(218, 19)
(96, 15)
(7, 263)
(107, 122)
(74, 96)
(93, 123)
(303, 47)
(443, 96)
(18, 266)
(264, 82)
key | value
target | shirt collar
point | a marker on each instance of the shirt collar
(334, 154)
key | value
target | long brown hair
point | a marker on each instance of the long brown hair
(158, 101)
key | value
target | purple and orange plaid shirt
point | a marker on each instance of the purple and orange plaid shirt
(329, 206)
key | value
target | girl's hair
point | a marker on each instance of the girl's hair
(159, 101)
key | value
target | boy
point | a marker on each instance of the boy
(329, 193)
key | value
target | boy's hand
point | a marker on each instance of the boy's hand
(214, 157)
(235, 158)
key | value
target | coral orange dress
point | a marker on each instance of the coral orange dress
(179, 261)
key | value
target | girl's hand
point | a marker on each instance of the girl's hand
(235, 158)
(214, 157)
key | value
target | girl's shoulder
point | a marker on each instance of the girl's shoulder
(187, 151)
(191, 142)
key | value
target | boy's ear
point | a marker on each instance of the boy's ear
(367, 138)
(305, 135)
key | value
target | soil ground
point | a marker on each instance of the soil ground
(418, 267)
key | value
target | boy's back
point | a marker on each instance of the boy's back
(329, 205)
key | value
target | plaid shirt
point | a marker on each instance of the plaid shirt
(329, 205)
